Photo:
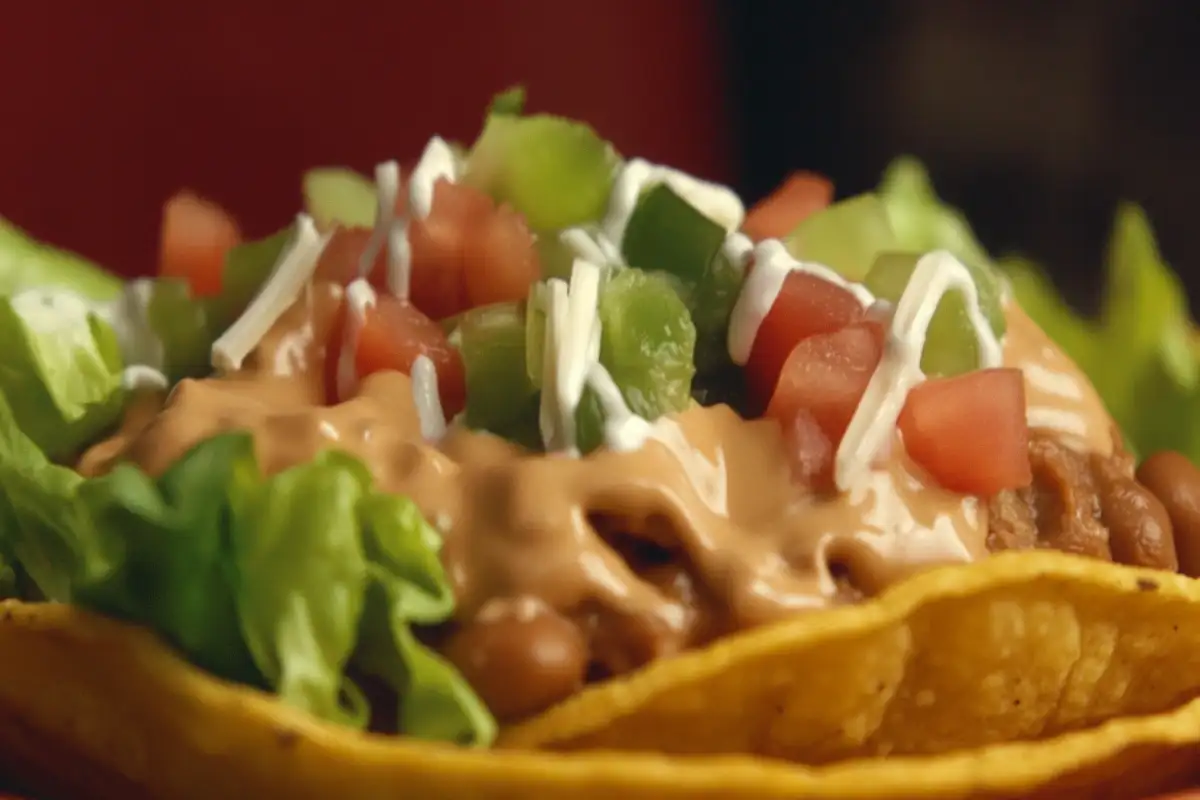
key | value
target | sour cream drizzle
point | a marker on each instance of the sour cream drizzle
(427, 400)
(591, 246)
(290, 275)
(571, 349)
(717, 202)
(874, 422)
(772, 264)
(437, 162)
(571, 346)
(387, 191)
(360, 298)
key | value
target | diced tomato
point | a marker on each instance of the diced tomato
(195, 238)
(797, 198)
(499, 261)
(809, 449)
(807, 306)
(469, 253)
(825, 377)
(394, 334)
(970, 432)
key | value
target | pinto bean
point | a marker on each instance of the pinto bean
(520, 660)
(1175, 481)
(1139, 528)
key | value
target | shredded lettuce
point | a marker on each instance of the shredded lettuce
(289, 582)
(26, 263)
(61, 369)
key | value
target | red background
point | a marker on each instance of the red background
(107, 108)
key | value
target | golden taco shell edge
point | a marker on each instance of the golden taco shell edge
(94, 703)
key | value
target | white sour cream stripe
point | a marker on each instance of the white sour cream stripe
(387, 191)
(291, 273)
(624, 431)
(391, 232)
(772, 265)
(427, 399)
(591, 246)
(360, 298)
(718, 203)
(899, 370)
(437, 162)
(738, 248)
(571, 346)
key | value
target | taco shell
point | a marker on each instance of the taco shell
(1034, 674)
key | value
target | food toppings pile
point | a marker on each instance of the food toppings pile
(496, 392)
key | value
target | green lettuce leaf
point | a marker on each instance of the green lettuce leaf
(288, 582)
(42, 532)
(1138, 353)
(161, 554)
(26, 264)
(920, 220)
(407, 585)
(298, 545)
(177, 325)
(61, 370)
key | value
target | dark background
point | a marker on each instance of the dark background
(1036, 117)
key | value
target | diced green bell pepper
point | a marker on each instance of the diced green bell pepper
(555, 172)
(950, 345)
(499, 391)
(667, 234)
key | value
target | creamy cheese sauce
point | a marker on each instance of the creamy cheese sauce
(519, 524)
(1059, 399)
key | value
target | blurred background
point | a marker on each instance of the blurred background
(1034, 117)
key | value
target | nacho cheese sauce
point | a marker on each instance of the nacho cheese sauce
(1059, 399)
(735, 541)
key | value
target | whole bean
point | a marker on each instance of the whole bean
(1175, 481)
